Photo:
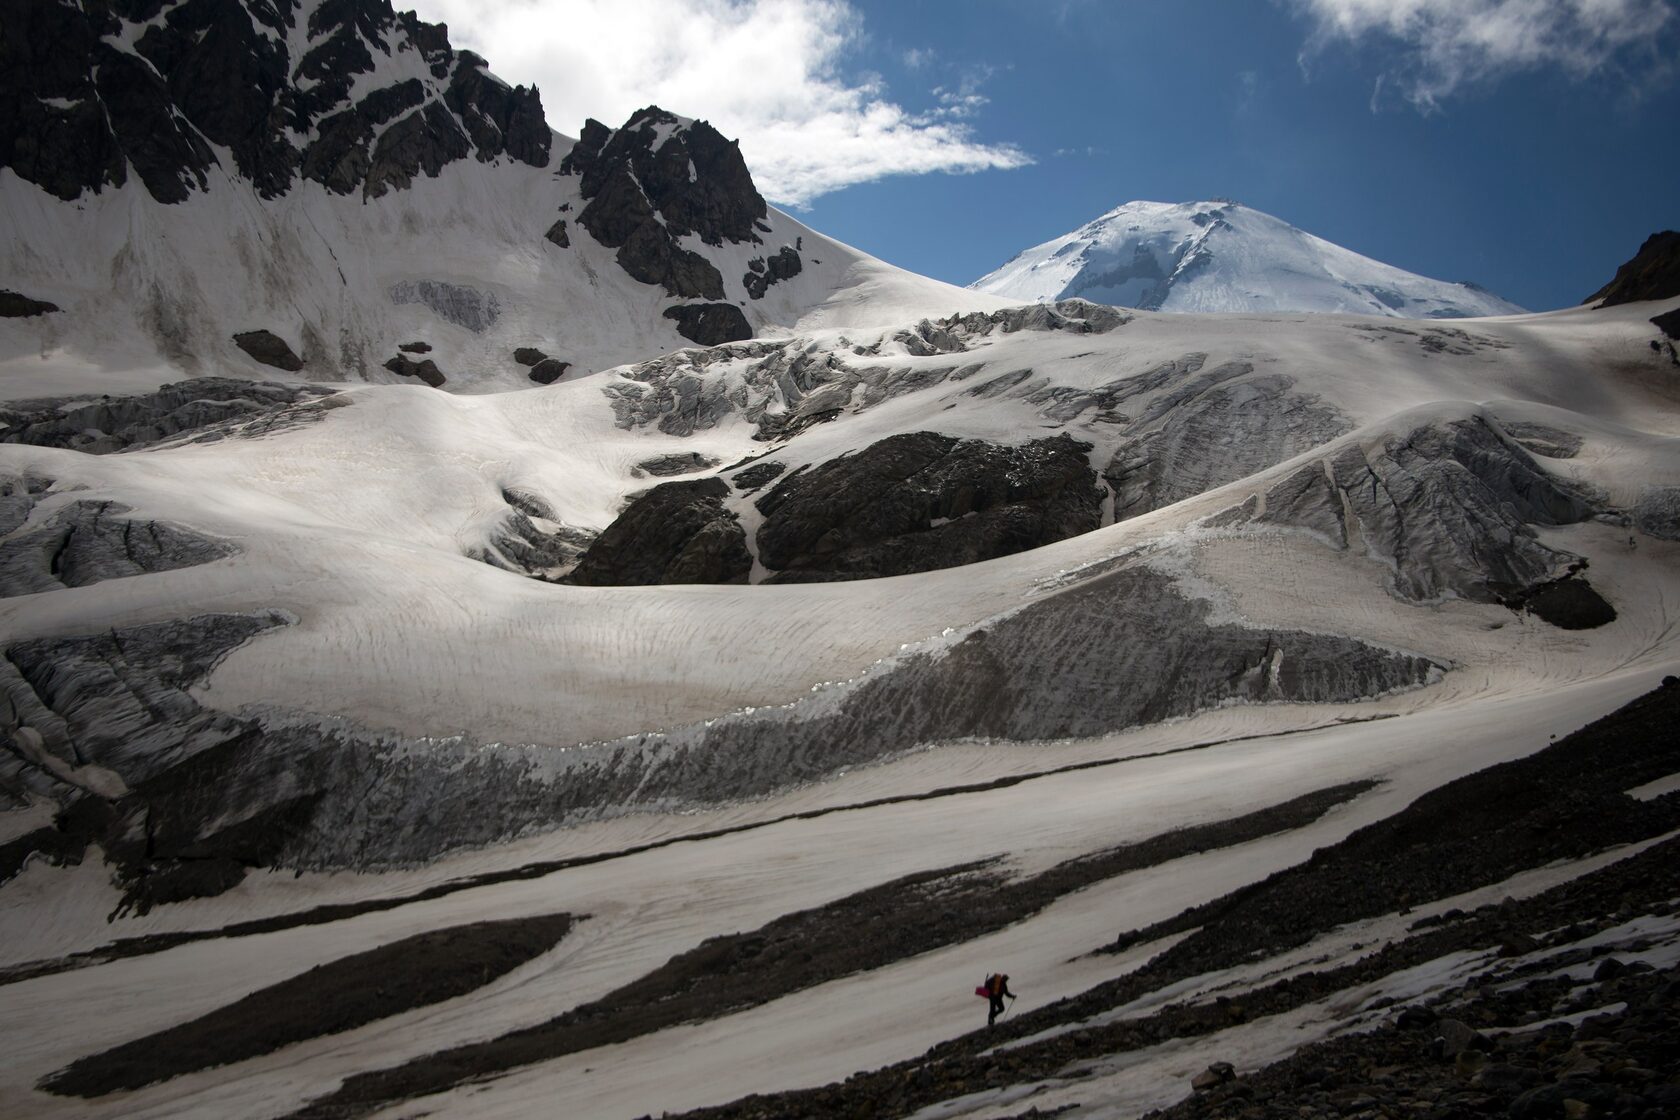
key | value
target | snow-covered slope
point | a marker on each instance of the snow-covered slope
(272, 645)
(1223, 256)
(336, 175)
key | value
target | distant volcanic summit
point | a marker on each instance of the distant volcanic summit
(1223, 256)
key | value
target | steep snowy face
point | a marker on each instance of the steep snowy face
(1222, 256)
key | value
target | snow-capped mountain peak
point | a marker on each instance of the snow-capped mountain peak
(1219, 255)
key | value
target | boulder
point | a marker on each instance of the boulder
(425, 369)
(1216, 1074)
(548, 371)
(557, 234)
(1453, 1038)
(528, 355)
(269, 349)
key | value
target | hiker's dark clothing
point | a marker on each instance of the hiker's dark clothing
(997, 987)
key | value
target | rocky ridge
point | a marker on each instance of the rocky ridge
(92, 93)
(1652, 273)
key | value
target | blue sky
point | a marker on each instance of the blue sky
(1535, 183)
(1526, 145)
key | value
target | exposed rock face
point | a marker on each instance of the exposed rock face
(269, 349)
(528, 355)
(678, 532)
(1449, 507)
(718, 201)
(1668, 323)
(557, 234)
(917, 502)
(90, 541)
(643, 197)
(422, 142)
(425, 369)
(710, 324)
(465, 307)
(79, 113)
(499, 118)
(206, 408)
(784, 265)
(15, 305)
(1653, 273)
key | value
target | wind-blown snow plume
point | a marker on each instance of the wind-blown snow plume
(1448, 44)
(767, 72)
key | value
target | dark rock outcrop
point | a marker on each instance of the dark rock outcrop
(544, 370)
(1669, 324)
(642, 197)
(269, 349)
(718, 201)
(338, 158)
(425, 369)
(422, 142)
(415, 347)
(917, 502)
(678, 532)
(548, 371)
(757, 475)
(557, 234)
(16, 305)
(783, 265)
(1653, 273)
(499, 118)
(79, 113)
(710, 324)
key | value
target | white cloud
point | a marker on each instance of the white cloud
(765, 71)
(1449, 44)
(917, 57)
